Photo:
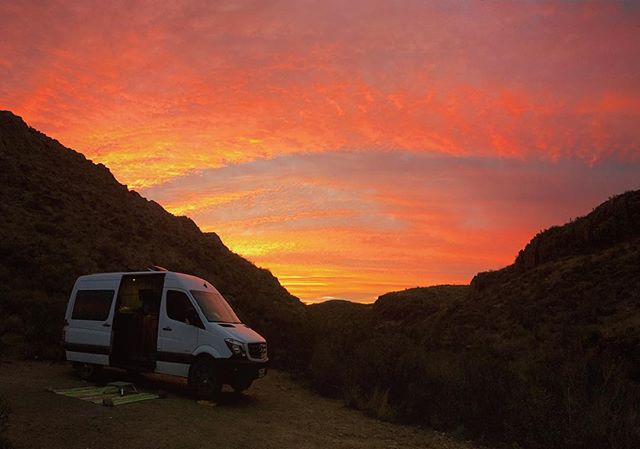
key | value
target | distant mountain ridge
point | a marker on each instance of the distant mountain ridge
(614, 221)
(63, 216)
(544, 352)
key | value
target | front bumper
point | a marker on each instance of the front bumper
(232, 369)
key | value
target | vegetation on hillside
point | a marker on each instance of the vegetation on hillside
(63, 216)
(4, 422)
(544, 353)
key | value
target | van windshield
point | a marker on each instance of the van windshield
(214, 307)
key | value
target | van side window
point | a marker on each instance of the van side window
(179, 308)
(92, 305)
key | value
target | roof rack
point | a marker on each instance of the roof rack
(156, 268)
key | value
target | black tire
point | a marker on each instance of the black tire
(87, 371)
(204, 379)
(240, 385)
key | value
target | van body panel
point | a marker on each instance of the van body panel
(172, 369)
(87, 357)
(244, 334)
(208, 350)
(188, 282)
(90, 340)
(213, 339)
(93, 340)
(173, 335)
(177, 343)
(177, 338)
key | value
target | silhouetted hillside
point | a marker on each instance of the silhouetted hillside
(545, 352)
(615, 221)
(63, 216)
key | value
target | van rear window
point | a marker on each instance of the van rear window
(92, 305)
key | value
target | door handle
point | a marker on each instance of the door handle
(166, 329)
(106, 325)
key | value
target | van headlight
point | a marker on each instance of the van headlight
(236, 347)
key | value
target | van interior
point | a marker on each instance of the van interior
(135, 323)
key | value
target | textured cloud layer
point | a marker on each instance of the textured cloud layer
(356, 224)
(166, 93)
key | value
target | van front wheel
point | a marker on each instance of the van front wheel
(240, 385)
(203, 379)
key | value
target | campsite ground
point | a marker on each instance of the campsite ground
(275, 412)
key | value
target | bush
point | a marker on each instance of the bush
(570, 397)
(38, 318)
(4, 422)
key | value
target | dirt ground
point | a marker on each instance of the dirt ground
(275, 412)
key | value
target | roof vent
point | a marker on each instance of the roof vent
(156, 268)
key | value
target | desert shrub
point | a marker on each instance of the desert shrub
(3, 329)
(576, 403)
(571, 394)
(5, 410)
(4, 414)
(39, 318)
(379, 406)
(327, 367)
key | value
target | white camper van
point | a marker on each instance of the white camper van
(162, 322)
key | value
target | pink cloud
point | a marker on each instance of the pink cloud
(400, 218)
(197, 81)
(442, 126)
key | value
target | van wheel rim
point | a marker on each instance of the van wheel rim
(203, 379)
(85, 370)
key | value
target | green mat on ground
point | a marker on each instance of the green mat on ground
(103, 395)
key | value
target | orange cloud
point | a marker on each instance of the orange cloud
(167, 93)
(155, 92)
(357, 224)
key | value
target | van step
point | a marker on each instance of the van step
(123, 388)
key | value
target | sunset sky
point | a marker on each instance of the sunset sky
(353, 148)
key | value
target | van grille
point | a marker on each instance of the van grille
(258, 350)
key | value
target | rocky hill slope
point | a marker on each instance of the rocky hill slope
(544, 353)
(62, 216)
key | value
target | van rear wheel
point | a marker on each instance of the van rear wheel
(87, 371)
(204, 380)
